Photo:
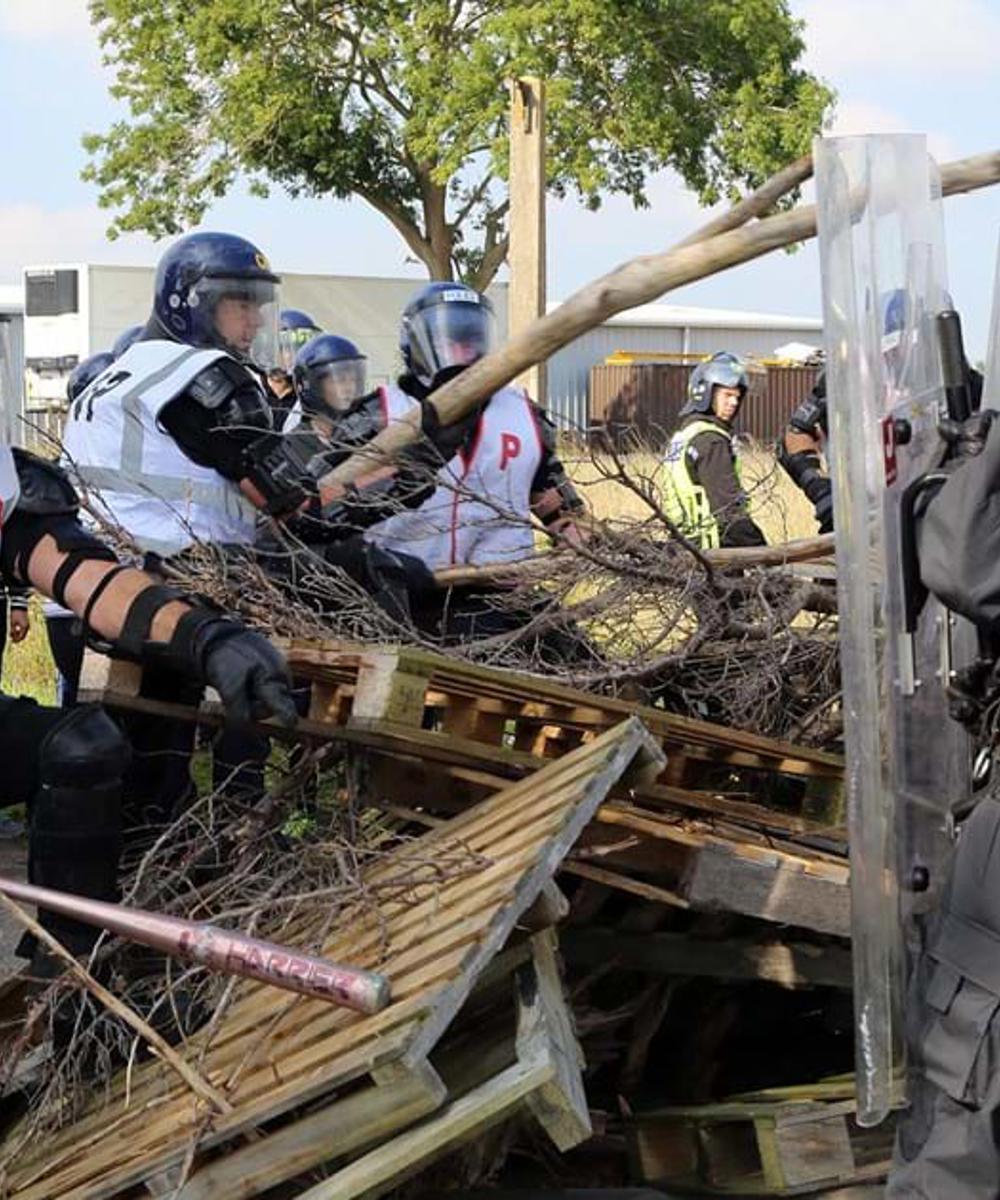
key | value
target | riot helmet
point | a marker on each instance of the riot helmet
(329, 375)
(721, 370)
(295, 328)
(126, 338)
(84, 373)
(445, 328)
(217, 289)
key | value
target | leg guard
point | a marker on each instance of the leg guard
(76, 816)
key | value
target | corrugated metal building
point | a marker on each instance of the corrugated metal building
(643, 400)
(74, 310)
(665, 329)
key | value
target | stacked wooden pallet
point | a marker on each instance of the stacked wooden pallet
(365, 1078)
(689, 875)
(734, 822)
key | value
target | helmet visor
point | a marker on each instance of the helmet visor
(291, 341)
(244, 316)
(727, 375)
(335, 385)
(450, 334)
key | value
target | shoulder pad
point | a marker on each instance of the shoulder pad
(45, 487)
(214, 384)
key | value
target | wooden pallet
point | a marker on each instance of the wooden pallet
(432, 939)
(783, 1142)
(521, 717)
(680, 846)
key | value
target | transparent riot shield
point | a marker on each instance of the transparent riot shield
(883, 271)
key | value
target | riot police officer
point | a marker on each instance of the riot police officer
(68, 766)
(295, 329)
(704, 494)
(176, 443)
(500, 468)
(799, 450)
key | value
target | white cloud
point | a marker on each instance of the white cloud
(34, 19)
(34, 234)
(922, 38)
(860, 116)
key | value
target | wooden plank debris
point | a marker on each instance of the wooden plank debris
(432, 939)
(769, 1147)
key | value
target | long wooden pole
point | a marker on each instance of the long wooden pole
(526, 256)
(638, 281)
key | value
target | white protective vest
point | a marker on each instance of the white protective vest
(457, 525)
(10, 488)
(142, 478)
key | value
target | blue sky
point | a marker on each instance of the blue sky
(926, 66)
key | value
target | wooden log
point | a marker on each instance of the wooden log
(786, 964)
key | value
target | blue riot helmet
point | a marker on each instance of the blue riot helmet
(295, 328)
(329, 375)
(902, 317)
(84, 373)
(445, 328)
(125, 339)
(721, 370)
(217, 289)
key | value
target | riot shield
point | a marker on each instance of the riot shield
(883, 272)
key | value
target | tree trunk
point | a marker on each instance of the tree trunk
(439, 235)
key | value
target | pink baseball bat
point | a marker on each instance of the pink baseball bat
(218, 949)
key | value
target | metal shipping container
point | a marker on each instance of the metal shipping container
(643, 400)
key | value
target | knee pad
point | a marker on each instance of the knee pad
(76, 816)
(85, 748)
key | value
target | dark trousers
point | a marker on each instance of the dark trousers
(66, 642)
(158, 786)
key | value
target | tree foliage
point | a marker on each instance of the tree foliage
(403, 103)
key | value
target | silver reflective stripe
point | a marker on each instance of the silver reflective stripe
(131, 480)
(222, 496)
(133, 432)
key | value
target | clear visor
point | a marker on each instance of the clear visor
(244, 317)
(290, 342)
(455, 334)
(339, 384)
(727, 375)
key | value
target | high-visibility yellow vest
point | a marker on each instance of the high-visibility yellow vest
(686, 502)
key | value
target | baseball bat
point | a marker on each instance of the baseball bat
(217, 949)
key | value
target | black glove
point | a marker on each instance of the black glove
(247, 672)
(242, 665)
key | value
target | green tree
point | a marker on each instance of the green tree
(403, 103)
